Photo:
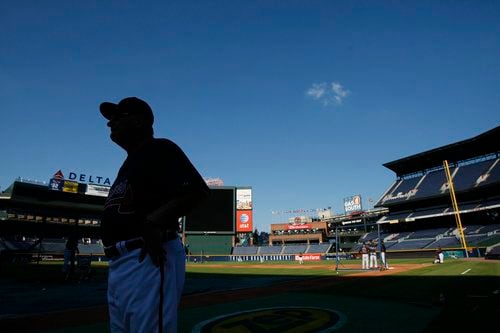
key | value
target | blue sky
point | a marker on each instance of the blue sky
(302, 100)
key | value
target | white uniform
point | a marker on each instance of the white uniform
(134, 290)
(373, 257)
(364, 256)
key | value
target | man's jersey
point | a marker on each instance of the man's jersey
(148, 179)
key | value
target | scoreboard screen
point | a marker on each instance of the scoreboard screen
(217, 214)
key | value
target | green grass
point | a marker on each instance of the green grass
(269, 268)
(459, 293)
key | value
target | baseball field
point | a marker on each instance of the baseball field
(414, 295)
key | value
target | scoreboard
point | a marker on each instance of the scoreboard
(228, 210)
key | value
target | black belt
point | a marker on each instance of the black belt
(133, 244)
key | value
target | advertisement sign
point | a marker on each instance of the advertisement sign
(244, 198)
(309, 257)
(70, 187)
(299, 226)
(56, 184)
(352, 204)
(244, 221)
(97, 190)
(300, 219)
(89, 179)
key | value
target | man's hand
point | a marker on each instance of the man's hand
(153, 239)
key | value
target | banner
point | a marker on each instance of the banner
(298, 226)
(352, 204)
(243, 198)
(97, 190)
(56, 184)
(244, 221)
(309, 257)
(70, 187)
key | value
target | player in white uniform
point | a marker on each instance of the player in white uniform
(364, 256)
(140, 221)
(373, 254)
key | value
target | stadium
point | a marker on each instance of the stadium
(447, 198)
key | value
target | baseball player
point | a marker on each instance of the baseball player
(439, 256)
(373, 254)
(364, 256)
(382, 256)
(155, 186)
(301, 258)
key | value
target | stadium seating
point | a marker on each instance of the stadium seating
(411, 244)
(245, 250)
(52, 247)
(423, 239)
(428, 211)
(396, 194)
(491, 228)
(319, 248)
(398, 236)
(18, 245)
(396, 216)
(431, 184)
(444, 243)
(263, 250)
(434, 183)
(493, 174)
(472, 229)
(467, 175)
(474, 240)
(369, 236)
(389, 244)
(427, 233)
(465, 206)
(294, 249)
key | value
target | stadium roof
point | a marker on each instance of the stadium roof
(483, 144)
(37, 195)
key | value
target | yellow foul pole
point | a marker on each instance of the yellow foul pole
(455, 207)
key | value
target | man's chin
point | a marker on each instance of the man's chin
(116, 138)
(121, 141)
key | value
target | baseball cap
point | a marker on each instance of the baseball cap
(127, 105)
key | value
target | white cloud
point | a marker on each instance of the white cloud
(328, 93)
(317, 90)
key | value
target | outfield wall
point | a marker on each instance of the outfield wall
(209, 244)
(452, 253)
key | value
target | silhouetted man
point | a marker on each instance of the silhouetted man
(155, 186)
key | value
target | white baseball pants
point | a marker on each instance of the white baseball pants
(373, 260)
(134, 290)
(364, 260)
